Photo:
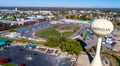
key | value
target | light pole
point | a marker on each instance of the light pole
(61, 33)
(100, 27)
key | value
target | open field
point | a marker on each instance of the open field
(57, 31)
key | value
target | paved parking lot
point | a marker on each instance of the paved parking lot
(27, 31)
(91, 41)
(18, 54)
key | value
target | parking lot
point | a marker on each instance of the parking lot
(27, 31)
(18, 54)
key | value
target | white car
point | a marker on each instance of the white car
(31, 39)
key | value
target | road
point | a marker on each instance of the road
(30, 29)
(91, 41)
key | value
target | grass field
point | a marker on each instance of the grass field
(51, 31)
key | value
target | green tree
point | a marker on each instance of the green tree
(5, 16)
(14, 18)
(52, 42)
(76, 17)
(71, 46)
(62, 39)
(90, 17)
(69, 16)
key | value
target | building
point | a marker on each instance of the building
(4, 42)
(70, 21)
(7, 11)
(18, 22)
(13, 35)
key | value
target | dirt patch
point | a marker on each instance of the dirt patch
(66, 28)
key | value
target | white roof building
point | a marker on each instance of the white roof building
(69, 21)
(13, 35)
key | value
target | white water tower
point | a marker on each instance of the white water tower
(100, 27)
(16, 9)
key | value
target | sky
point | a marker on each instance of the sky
(62, 3)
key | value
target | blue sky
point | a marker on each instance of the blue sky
(62, 3)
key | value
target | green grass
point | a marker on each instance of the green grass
(66, 27)
(115, 59)
(8, 64)
(3, 19)
(24, 41)
(51, 32)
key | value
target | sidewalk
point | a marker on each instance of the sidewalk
(82, 60)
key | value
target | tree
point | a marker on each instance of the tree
(90, 18)
(5, 16)
(52, 42)
(69, 16)
(76, 17)
(71, 46)
(66, 45)
(62, 39)
(14, 18)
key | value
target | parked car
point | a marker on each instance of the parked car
(21, 64)
(113, 39)
(119, 40)
(4, 60)
(113, 43)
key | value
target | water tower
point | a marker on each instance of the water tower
(100, 27)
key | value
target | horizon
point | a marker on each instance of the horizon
(61, 3)
(59, 7)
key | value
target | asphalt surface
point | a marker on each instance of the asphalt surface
(27, 31)
(18, 55)
(91, 41)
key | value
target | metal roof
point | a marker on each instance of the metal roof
(3, 41)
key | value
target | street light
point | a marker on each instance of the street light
(100, 27)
